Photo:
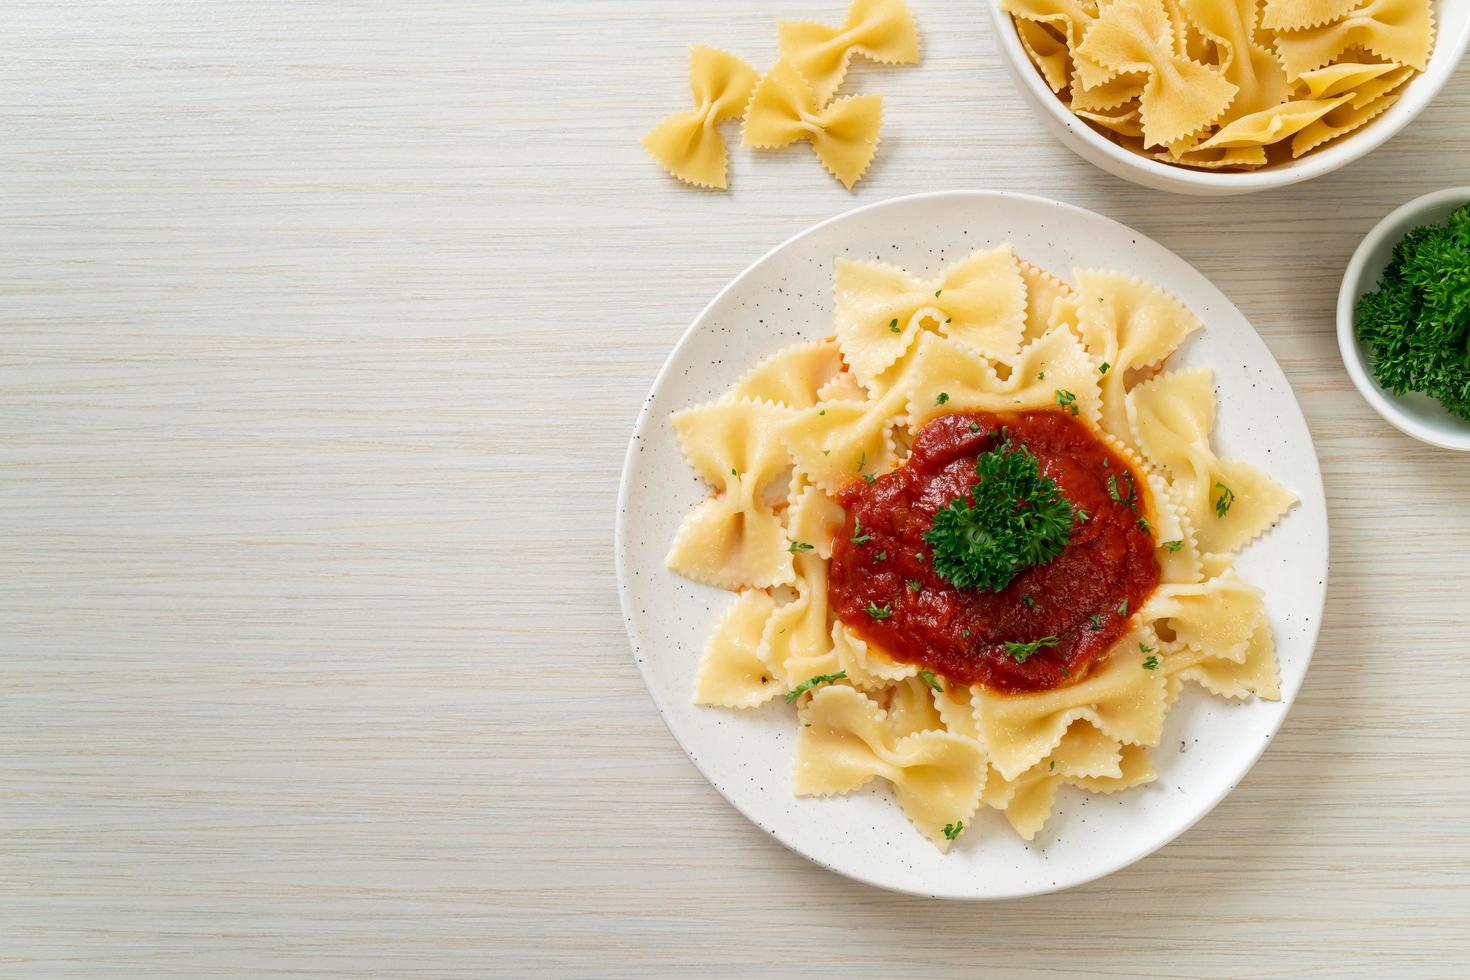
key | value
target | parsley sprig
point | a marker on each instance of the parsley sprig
(1013, 519)
(812, 682)
(1021, 652)
(1223, 502)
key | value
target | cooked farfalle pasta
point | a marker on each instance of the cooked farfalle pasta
(788, 447)
(1225, 84)
(882, 311)
(688, 144)
(879, 30)
(785, 108)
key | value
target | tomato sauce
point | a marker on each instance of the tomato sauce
(1083, 597)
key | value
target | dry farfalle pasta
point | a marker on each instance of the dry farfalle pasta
(820, 430)
(792, 102)
(1225, 84)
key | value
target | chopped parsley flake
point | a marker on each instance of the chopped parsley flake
(1067, 400)
(1021, 652)
(1145, 648)
(879, 612)
(1123, 607)
(915, 584)
(1030, 601)
(1040, 375)
(1052, 767)
(1144, 525)
(881, 556)
(1227, 497)
(1174, 545)
(893, 325)
(810, 683)
(1104, 368)
(974, 426)
(1097, 621)
(858, 537)
(928, 678)
(941, 398)
(953, 830)
(799, 546)
(1152, 663)
(937, 292)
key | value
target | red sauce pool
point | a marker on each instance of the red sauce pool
(960, 633)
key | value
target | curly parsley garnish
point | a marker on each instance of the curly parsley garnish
(812, 682)
(1226, 498)
(1013, 519)
(1021, 652)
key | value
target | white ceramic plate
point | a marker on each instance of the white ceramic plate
(1209, 743)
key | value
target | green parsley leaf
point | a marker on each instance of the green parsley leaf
(879, 612)
(965, 634)
(1097, 621)
(1029, 600)
(1104, 368)
(893, 325)
(1174, 545)
(881, 556)
(928, 678)
(915, 584)
(1021, 652)
(1222, 505)
(732, 471)
(1145, 648)
(1067, 400)
(810, 683)
(1123, 607)
(1151, 663)
(799, 546)
(937, 292)
(1013, 519)
(858, 537)
(1040, 375)
(1052, 767)
(1083, 516)
(941, 398)
(826, 452)
(870, 478)
(953, 830)
(1144, 525)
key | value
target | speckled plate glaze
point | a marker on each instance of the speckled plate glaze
(1209, 743)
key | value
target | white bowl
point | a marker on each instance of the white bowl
(1413, 414)
(1452, 21)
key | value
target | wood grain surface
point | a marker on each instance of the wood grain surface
(323, 327)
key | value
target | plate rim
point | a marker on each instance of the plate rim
(620, 562)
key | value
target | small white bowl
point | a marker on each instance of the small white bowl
(1412, 414)
(1452, 22)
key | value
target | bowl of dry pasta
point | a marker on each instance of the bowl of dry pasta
(1221, 97)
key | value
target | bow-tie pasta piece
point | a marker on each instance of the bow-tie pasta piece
(845, 742)
(1052, 371)
(882, 311)
(1255, 672)
(734, 539)
(836, 442)
(1228, 501)
(879, 30)
(1127, 325)
(1218, 158)
(796, 643)
(784, 108)
(1345, 118)
(1121, 698)
(1345, 77)
(1047, 52)
(1042, 292)
(793, 377)
(731, 675)
(1084, 753)
(1246, 63)
(1217, 616)
(1181, 96)
(1125, 121)
(1178, 552)
(1401, 31)
(1294, 15)
(1069, 18)
(811, 521)
(687, 144)
(1271, 125)
(910, 708)
(865, 664)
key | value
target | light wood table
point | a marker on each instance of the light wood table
(324, 328)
